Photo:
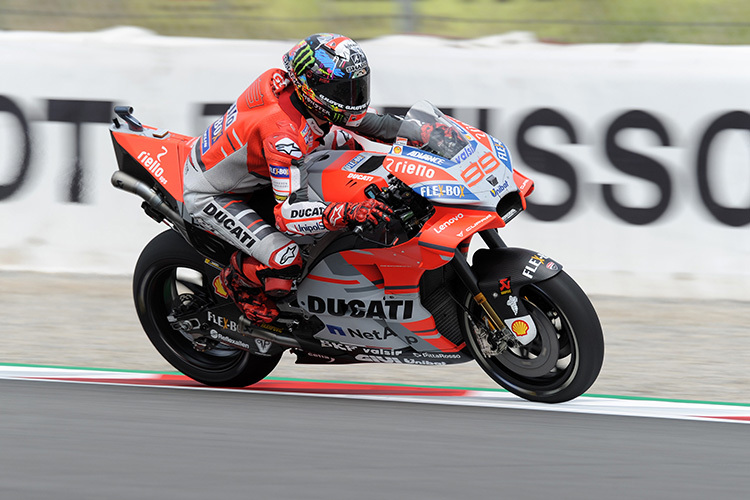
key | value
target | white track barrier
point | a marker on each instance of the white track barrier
(640, 153)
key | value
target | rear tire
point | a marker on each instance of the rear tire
(565, 358)
(168, 270)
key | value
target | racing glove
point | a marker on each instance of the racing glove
(341, 139)
(343, 215)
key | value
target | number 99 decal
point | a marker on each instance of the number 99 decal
(480, 169)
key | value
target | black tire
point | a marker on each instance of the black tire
(565, 358)
(169, 262)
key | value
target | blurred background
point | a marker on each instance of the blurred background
(631, 116)
(564, 21)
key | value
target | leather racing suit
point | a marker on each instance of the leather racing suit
(259, 142)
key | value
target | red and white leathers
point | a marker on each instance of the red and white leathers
(257, 143)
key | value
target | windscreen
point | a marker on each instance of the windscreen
(427, 128)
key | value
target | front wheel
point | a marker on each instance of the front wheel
(565, 358)
(169, 275)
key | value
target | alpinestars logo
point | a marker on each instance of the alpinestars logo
(289, 254)
(336, 215)
(288, 147)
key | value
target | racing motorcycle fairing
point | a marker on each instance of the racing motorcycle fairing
(455, 164)
(153, 156)
(343, 175)
(363, 291)
(369, 314)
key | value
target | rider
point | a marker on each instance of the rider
(261, 140)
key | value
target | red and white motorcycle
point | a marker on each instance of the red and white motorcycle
(402, 292)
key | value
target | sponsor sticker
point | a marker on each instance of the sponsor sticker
(445, 225)
(360, 177)
(409, 168)
(288, 147)
(378, 309)
(307, 136)
(231, 116)
(354, 162)
(219, 288)
(504, 285)
(447, 191)
(263, 345)
(421, 155)
(280, 172)
(520, 328)
(534, 262)
(513, 304)
(523, 328)
(287, 254)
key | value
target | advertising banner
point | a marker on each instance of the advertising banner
(640, 153)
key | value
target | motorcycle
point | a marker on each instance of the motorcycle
(401, 292)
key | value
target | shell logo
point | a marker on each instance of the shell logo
(219, 288)
(397, 150)
(520, 328)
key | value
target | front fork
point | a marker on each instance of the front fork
(500, 335)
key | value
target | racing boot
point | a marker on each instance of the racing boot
(244, 283)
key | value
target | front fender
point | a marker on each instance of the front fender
(501, 272)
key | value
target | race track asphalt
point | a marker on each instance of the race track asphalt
(75, 441)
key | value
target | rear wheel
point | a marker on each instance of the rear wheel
(564, 359)
(169, 278)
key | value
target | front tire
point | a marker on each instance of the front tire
(170, 273)
(565, 358)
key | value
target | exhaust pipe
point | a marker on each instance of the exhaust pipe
(247, 328)
(128, 183)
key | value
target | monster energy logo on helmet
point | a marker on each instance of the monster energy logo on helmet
(303, 59)
(331, 77)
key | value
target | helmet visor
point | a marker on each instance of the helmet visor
(351, 94)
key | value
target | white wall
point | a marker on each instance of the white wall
(677, 91)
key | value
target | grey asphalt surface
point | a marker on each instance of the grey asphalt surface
(73, 442)
(676, 349)
(68, 441)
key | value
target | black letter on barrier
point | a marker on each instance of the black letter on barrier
(639, 166)
(548, 163)
(735, 217)
(78, 112)
(7, 190)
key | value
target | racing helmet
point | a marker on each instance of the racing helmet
(331, 76)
